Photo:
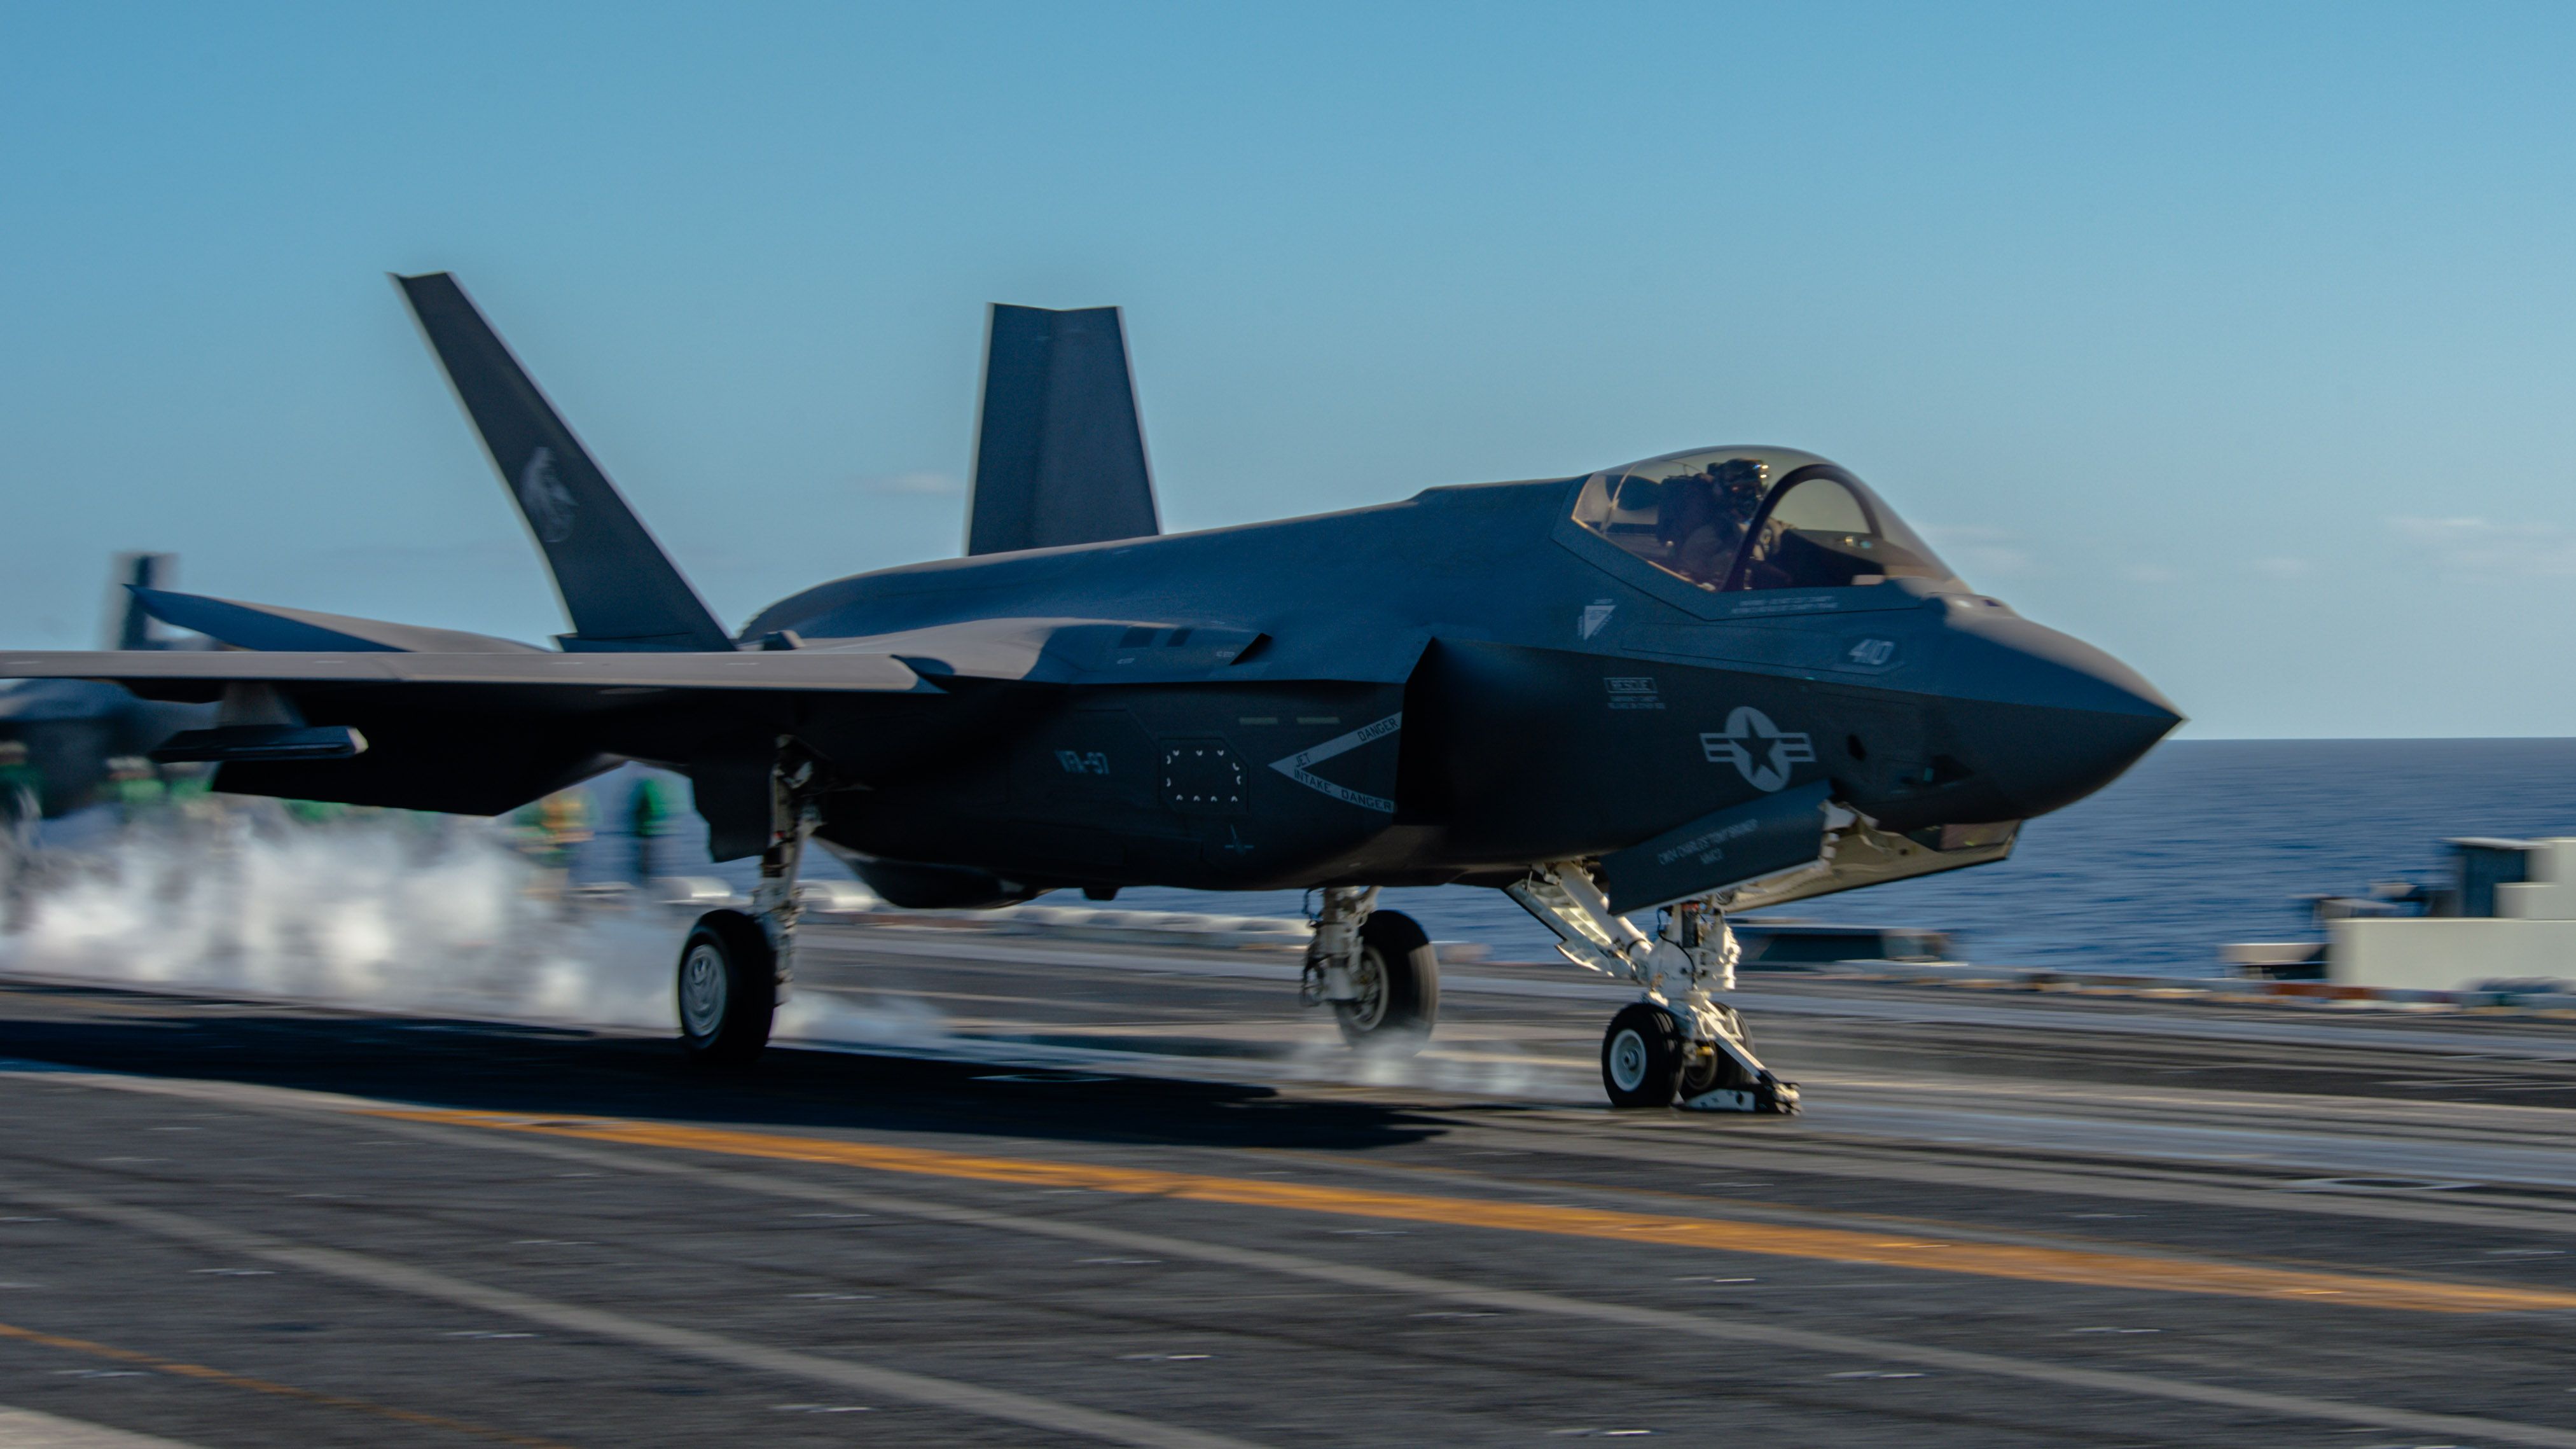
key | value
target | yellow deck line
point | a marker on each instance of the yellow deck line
(271, 1387)
(2076, 1266)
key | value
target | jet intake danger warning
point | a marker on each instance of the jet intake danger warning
(1294, 767)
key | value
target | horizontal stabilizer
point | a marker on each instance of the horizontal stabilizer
(620, 589)
(268, 627)
(1059, 451)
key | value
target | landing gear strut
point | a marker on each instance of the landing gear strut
(1675, 1046)
(1377, 970)
(735, 966)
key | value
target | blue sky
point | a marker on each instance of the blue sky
(2236, 339)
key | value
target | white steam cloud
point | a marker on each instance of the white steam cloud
(422, 916)
(434, 918)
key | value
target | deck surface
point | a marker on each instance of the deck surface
(1037, 1192)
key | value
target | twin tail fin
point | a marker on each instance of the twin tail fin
(1059, 452)
(621, 590)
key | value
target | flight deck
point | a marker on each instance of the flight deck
(1051, 1192)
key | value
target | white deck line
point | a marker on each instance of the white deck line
(28, 1429)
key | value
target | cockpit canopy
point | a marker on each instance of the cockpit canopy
(1754, 518)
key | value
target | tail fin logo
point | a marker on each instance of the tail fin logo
(543, 496)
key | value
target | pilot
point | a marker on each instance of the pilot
(1739, 486)
(1704, 517)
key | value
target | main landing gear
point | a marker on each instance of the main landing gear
(1676, 1046)
(1377, 970)
(736, 965)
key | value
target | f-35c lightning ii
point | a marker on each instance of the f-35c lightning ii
(1708, 681)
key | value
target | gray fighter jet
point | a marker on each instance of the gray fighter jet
(1708, 681)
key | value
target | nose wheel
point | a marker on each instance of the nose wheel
(1649, 1058)
(1641, 1057)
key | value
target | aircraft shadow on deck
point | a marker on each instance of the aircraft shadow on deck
(500, 1067)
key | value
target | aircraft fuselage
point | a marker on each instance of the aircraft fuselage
(1447, 689)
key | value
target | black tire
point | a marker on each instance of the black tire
(1399, 981)
(1641, 1057)
(727, 989)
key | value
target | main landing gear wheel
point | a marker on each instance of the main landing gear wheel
(1642, 1056)
(1397, 977)
(728, 989)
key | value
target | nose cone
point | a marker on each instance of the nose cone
(2043, 719)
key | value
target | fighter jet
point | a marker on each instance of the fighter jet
(69, 729)
(1712, 680)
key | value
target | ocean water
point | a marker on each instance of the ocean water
(2203, 843)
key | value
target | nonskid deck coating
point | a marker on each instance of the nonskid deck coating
(2062, 1151)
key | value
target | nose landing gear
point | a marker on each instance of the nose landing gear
(1677, 1046)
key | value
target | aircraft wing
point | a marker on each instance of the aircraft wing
(294, 647)
(479, 730)
(202, 676)
(483, 733)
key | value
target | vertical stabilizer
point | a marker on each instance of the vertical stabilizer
(620, 589)
(1059, 453)
(127, 625)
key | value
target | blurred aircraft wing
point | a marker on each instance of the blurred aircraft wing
(203, 675)
(483, 733)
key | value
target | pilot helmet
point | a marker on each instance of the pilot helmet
(1739, 473)
(1739, 485)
